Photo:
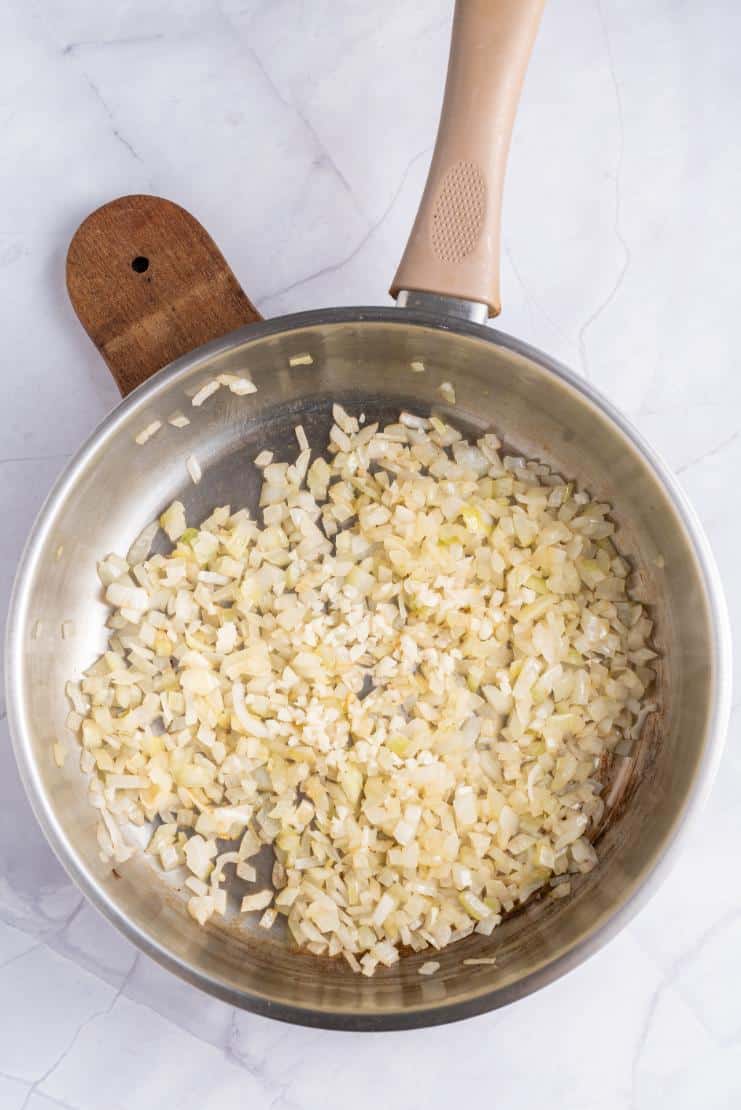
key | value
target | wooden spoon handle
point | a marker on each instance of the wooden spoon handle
(149, 284)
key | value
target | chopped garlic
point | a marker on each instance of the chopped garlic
(300, 360)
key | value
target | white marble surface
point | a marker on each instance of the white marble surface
(299, 132)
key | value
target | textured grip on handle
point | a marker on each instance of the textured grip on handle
(453, 249)
(149, 284)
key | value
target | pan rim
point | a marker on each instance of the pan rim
(634, 897)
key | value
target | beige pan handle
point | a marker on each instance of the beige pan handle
(453, 251)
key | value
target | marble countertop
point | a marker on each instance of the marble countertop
(299, 133)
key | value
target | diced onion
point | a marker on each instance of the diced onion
(147, 432)
(242, 386)
(257, 901)
(404, 680)
(206, 391)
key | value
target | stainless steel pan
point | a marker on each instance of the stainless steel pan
(149, 285)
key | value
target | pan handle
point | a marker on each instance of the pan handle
(453, 250)
(149, 284)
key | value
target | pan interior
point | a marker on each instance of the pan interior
(364, 361)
